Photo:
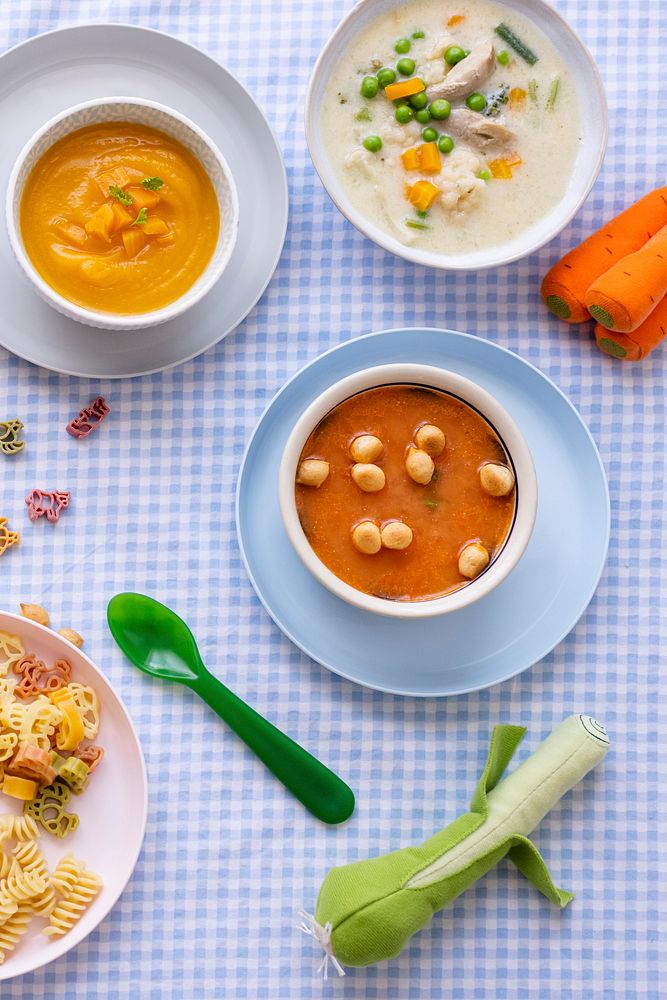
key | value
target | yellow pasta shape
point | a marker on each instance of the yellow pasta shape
(70, 730)
(11, 650)
(14, 929)
(21, 885)
(88, 704)
(66, 873)
(70, 910)
(8, 908)
(8, 742)
(24, 828)
(5, 864)
(31, 860)
(31, 723)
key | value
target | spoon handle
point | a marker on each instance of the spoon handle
(321, 791)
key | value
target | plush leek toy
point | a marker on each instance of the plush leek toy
(367, 911)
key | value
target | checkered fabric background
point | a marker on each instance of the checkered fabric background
(229, 857)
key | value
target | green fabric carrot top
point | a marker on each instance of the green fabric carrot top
(367, 911)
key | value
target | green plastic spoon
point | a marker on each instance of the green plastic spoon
(158, 642)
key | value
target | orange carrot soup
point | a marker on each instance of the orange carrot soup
(405, 493)
(119, 218)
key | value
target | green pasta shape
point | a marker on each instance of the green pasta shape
(75, 774)
(48, 808)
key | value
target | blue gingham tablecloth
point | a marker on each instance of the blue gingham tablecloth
(229, 857)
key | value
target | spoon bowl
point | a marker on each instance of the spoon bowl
(154, 638)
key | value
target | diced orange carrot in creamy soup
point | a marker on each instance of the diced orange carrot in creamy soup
(119, 218)
(405, 492)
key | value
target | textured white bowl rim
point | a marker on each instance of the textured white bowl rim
(467, 261)
(490, 409)
(118, 321)
(78, 933)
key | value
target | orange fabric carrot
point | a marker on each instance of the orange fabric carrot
(565, 285)
(622, 298)
(636, 345)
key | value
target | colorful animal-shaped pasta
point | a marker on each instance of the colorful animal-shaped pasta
(88, 419)
(48, 808)
(44, 504)
(11, 650)
(9, 432)
(7, 537)
(368, 910)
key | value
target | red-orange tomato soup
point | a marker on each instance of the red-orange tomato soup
(445, 515)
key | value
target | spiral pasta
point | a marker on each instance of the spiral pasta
(22, 886)
(14, 928)
(23, 828)
(27, 886)
(66, 873)
(5, 865)
(32, 861)
(8, 908)
(71, 909)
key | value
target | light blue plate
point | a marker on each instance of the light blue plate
(500, 635)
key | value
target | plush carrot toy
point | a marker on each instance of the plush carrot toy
(565, 286)
(636, 345)
(622, 298)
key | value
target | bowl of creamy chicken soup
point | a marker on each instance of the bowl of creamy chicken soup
(459, 135)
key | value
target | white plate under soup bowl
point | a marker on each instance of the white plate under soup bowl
(592, 105)
(500, 422)
(142, 112)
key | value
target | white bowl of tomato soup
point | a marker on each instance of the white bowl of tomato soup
(461, 135)
(408, 490)
(122, 213)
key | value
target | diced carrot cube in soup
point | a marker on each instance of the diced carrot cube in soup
(500, 169)
(429, 158)
(156, 227)
(100, 222)
(114, 177)
(410, 158)
(141, 198)
(517, 97)
(513, 160)
(422, 195)
(121, 217)
(134, 241)
(455, 19)
(404, 88)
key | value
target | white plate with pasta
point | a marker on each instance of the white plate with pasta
(72, 819)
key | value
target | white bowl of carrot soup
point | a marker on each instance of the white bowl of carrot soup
(408, 491)
(122, 213)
